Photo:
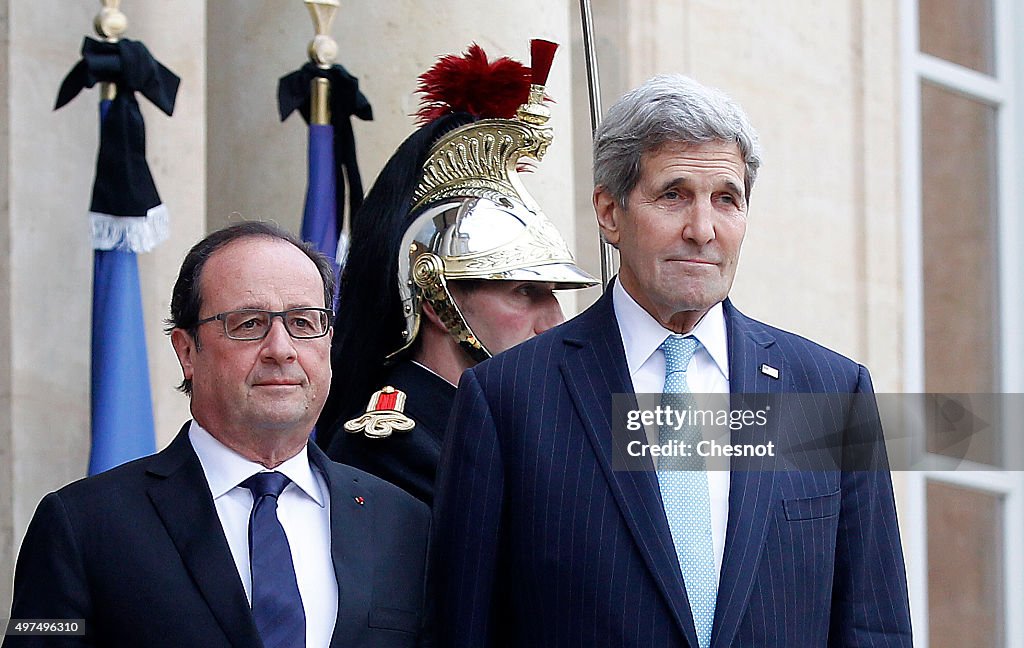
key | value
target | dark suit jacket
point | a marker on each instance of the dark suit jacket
(140, 554)
(407, 459)
(544, 544)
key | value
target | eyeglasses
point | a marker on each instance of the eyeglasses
(254, 324)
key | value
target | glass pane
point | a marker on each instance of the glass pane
(965, 567)
(958, 221)
(959, 31)
(967, 426)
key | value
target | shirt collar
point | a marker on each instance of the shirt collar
(429, 370)
(225, 469)
(642, 335)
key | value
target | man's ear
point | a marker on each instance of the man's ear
(432, 318)
(609, 215)
(185, 348)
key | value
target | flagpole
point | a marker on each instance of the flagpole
(320, 223)
(323, 52)
(110, 23)
(327, 97)
(594, 90)
(590, 58)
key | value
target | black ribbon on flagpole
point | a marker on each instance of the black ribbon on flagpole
(124, 185)
(346, 101)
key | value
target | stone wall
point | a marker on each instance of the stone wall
(819, 80)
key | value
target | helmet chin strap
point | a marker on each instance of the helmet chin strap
(476, 354)
(428, 273)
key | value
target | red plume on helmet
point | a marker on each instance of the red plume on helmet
(542, 53)
(472, 84)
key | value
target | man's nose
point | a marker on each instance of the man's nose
(699, 224)
(278, 346)
(550, 315)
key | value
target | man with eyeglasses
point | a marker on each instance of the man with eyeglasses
(241, 532)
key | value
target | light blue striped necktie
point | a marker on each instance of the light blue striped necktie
(684, 491)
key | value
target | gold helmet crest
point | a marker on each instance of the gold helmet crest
(472, 217)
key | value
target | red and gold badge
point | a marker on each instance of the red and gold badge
(383, 415)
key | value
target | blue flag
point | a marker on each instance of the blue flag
(122, 409)
(332, 156)
(126, 217)
(320, 219)
(332, 153)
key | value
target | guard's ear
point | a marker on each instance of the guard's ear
(185, 348)
(432, 317)
(609, 215)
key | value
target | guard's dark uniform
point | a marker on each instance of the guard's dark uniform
(438, 214)
(407, 459)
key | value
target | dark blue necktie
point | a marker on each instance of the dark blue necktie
(276, 604)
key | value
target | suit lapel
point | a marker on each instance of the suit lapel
(182, 499)
(352, 549)
(595, 368)
(752, 480)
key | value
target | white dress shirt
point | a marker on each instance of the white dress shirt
(304, 509)
(708, 373)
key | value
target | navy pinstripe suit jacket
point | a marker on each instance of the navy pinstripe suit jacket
(538, 542)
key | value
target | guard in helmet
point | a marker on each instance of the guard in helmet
(451, 262)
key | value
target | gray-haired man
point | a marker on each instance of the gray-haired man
(547, 543)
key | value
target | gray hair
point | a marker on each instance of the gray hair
(668, 108)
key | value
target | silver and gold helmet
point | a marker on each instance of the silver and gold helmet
(472, 218)
(447, 206)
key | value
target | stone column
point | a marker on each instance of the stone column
(48, 160)
(257, 165)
